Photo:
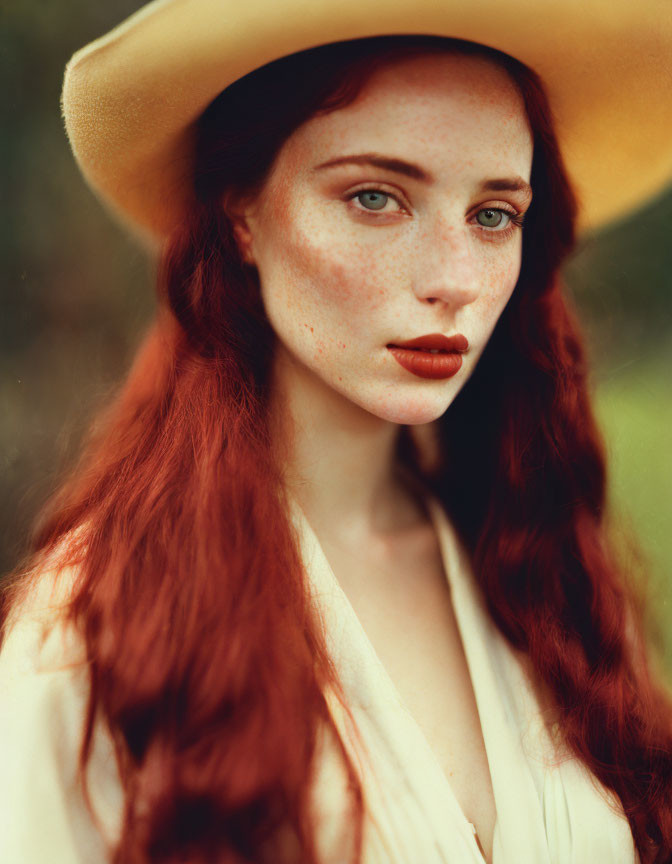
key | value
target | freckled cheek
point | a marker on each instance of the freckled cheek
(343, 274)
(499, 282)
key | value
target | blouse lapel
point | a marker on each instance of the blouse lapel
(396, 757)
(520, 822)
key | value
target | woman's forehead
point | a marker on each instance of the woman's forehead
(447, 111)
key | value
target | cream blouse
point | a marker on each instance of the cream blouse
(550, 809)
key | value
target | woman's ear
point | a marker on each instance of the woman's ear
(243, 235)
(239, 215)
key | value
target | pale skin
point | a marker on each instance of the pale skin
(341, 278)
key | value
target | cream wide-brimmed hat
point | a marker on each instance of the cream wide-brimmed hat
(131, 98)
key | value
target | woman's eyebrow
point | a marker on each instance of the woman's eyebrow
(507, 184)
(391, 164)
(409, 169)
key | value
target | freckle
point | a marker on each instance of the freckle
(339, 378)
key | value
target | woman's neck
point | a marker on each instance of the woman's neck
(339, 461)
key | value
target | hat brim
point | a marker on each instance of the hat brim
(131, 98)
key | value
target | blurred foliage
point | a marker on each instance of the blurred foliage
(621, 282)
(76, 297)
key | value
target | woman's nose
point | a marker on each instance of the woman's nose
(446, 267)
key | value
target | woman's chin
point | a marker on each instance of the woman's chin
(406, 411)
(409, 417)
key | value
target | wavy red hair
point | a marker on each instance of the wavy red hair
(206, 662)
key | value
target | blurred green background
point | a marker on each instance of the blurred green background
(77, 295)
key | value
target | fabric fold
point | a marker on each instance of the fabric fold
(550, 809)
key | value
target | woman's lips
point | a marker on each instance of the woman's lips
(431, 356)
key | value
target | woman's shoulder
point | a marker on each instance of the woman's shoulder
(37, 633)
(43, 677)
(45, 687)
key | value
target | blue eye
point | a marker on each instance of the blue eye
(377, 200)
(493, 218)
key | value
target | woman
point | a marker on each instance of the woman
(314, 595)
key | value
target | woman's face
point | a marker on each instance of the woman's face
(354, 257)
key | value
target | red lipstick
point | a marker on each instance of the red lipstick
(431, 356)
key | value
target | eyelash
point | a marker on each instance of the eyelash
(516, 218)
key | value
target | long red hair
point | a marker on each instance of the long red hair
(206, 662)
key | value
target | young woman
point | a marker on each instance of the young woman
(332, 581)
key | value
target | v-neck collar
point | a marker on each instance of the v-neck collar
(519, 834)
(520, 822)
